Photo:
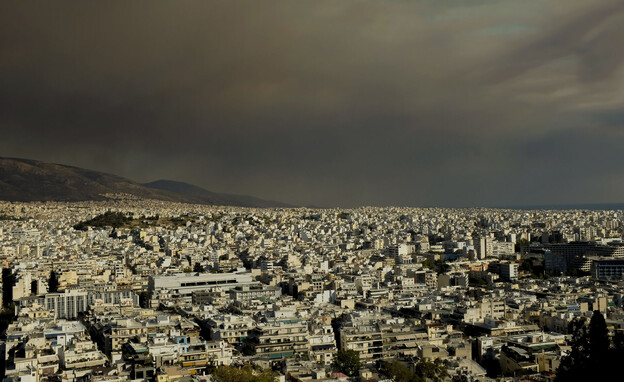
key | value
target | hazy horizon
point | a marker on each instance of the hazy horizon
(350, 103)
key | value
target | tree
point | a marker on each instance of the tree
(424, 371)
(242, 374)
(598, 338)
(34, 287)
(521, 243)
(6, 317)
(591, 356)
(576, 362)
(53, 282)
(428, 263)
(347, 362)
(577, 273)
(398, 371)
(442, 266)
(143, 299)
(618, 341)
(8, 279)
(431, 371)
(198, 268)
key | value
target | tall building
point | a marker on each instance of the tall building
(503, 248)
(509, 271)
(608, 269)
(70, 303)
(575, 255)
(484, 247)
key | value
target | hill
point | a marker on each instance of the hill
(26, 180)
(203, 196)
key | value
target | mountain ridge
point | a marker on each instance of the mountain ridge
(24, 180)
(204, 196)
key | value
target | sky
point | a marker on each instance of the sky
(331, 103)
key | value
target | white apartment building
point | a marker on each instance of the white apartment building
(180, 287)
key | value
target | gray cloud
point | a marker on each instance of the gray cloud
(324, 102)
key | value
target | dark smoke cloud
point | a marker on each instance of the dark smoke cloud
(450, 103)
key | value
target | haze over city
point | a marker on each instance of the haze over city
(296, 191)
(412, 103)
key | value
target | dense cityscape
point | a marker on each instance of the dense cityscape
(132, 289)
(296, 191)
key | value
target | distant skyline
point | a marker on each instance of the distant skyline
(329, 103)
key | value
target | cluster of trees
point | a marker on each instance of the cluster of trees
(348, 362)
(428, 263)
(178, 221)
(577, 273)
(475, 281)
(7, 315)
(8, 280)
(53, 282)
(423, 371)
(344, 215)
(535, 268)
(242, 374)
(521, 243)
(107, 219)
(9, 217)
(594, 355)
(198, 268)
(7, 311)
(120, 219)
(439, 266)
